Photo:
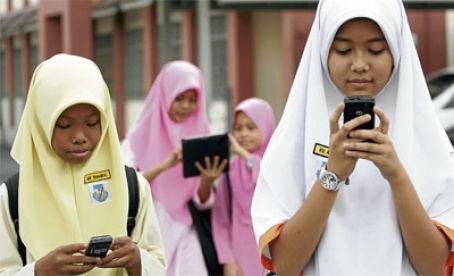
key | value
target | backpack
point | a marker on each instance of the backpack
(12, 185)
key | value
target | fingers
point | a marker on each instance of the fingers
(207, 167)
(384, 120)
(378, 135)
(232, 143)
(72, 248)
(178, 151)
(124, 253)
(349, 126)
(216, 166)
(334, 119)
(199, 167)
(66, 260)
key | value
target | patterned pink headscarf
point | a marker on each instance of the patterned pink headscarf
(155, 135)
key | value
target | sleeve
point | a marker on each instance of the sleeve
(444, 222)
(221, 224)
(449, 234)
(10, 260)
(127, 153)
(254, 162)
(264, 241)
(147, 233)
(208, 204)
(268, 217)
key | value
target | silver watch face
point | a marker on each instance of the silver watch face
(329, 181)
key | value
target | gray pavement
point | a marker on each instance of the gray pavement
(7, 165)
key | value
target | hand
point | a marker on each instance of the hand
(173, 159)
(381, 153)
(124, 253)
(237, 149)
(232, 269)
(211, 171)
(234, 146)
(338, 162)
(66, 260)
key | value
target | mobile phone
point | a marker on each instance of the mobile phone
(98, 246)
(357, 106)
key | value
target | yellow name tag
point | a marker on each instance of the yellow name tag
(97, 176)
(321, 150)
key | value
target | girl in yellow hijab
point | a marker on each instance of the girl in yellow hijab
(72, 181)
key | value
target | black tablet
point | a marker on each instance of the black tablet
(197, 148)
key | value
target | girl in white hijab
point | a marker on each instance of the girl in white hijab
(397, 214)
(72, 181)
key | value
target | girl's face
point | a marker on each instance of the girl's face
(246, 132)
(77, 133)
(360, 61)
(183, 106)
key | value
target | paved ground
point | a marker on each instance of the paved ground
(7, 165)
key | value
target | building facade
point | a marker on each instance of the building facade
(243, 51)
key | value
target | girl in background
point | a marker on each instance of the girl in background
(237, 250)
(174, 110)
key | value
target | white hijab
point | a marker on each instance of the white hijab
(364, 214)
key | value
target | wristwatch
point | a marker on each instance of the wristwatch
(330, 181)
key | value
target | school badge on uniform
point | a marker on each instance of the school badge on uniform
(99, 193)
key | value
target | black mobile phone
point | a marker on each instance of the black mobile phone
(357, 106)
(98, 246)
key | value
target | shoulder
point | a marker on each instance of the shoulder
(3, 191)
(143, 185)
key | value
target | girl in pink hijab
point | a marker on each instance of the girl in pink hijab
(174, 110)
(253, 125)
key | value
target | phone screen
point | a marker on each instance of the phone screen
(357, 106)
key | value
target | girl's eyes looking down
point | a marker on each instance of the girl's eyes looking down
(184, 105)
(192, 97)
(250, 127)
(343, 48)
(64, 122)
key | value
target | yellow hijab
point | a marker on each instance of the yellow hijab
(55, 202)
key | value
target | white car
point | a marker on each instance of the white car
(444, 106)
(439, 80)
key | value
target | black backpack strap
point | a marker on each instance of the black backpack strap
(201, 219)
(12, 185)
(133, 188)
(229, 192)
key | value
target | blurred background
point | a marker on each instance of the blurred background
(245, 48)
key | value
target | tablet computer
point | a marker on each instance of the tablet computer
(197, 148)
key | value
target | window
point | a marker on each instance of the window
(18, 87)
(103, 58)
(170, 43)
(219, 108)
(134, 64)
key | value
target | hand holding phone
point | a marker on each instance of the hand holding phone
(98, 246)
(358, 106)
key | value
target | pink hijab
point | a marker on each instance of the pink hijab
(155, 135)
(242, 180)
(232, 232)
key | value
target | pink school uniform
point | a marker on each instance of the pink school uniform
(232, 232)
(150, 141)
